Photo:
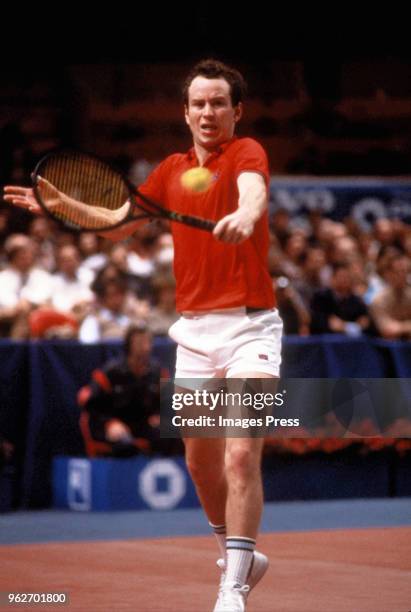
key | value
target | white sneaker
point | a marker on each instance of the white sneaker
(259, 566)
(232, 598)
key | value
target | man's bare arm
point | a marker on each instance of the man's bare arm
(23, 197)
(239, 225)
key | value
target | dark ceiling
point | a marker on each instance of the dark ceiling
(165, 32)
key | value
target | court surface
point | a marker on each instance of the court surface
(328, 556)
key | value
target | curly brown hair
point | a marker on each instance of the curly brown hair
(213, 69)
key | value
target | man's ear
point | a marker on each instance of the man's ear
(186, 114)
(238, 112)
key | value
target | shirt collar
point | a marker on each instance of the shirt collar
(221, 148)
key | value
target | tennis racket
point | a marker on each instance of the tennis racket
(84, 193)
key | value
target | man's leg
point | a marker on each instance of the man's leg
(205, 462)
(244, 486)
(244, 498)
(243, 473)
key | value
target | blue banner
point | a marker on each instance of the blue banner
(127, 484)
(364, 199)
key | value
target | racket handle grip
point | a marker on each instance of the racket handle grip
(204, 224)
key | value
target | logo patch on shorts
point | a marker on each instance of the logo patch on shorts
(262, 356)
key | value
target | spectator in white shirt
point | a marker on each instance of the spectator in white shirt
(93, 258)
(116, 311)
(41, 231)
(71, 291)
(23, 286)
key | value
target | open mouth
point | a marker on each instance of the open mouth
(208, 128)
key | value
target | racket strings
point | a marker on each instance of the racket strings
(77, 184)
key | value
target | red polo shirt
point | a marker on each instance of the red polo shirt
(211, 274)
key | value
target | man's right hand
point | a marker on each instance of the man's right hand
(23, 197)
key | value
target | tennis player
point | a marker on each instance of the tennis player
(229, 326)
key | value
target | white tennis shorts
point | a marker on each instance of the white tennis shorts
(223, 344)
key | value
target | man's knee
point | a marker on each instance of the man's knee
(205, 463)
(242, 462)
(202, 474)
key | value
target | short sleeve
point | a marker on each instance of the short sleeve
(251, 157)
(154, 186)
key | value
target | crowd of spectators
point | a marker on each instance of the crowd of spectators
(330, 277)
(335, 277)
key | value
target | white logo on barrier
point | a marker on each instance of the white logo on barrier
(367, 211)
(321, 199)
(79, 484)
(174, 478)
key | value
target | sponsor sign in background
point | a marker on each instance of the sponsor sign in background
(364, 199)
(126, 484)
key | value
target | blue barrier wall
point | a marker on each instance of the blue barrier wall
(127, 484)
(143, 483)
(364, 199)
(39, 382)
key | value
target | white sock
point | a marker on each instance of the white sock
(240, 553)
(220, 533)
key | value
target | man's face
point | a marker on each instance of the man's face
(114, 298)
(342, 281)
(24, 258)
(68, 260)
(398, 273)
(140, 351)
(315, 260)
(210, 113)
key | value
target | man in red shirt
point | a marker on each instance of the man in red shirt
(229, 327)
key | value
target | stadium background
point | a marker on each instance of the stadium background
(324, 101)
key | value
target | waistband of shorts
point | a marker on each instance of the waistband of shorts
(229, 311)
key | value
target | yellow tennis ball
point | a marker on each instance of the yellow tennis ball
(196, 179)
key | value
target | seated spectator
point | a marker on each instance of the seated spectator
(328, 231)
(93, 259)
(391, 308)
(165, 251)
(141, 258)
(294, 314)
(384, 232)
(115, 311)
(71, 293)
(139, 285)
(280, 225)
(123, 400)
(163, 314)
(23, 286)
(41, 231)
(344, 250)
(295, 246)
(337, 309)
(377, 277)
(139, 300)
(368, 248)
(406, 243)
(315, 274)
(360, 278)
(4, 226)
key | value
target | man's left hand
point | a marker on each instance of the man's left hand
(234, 228)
